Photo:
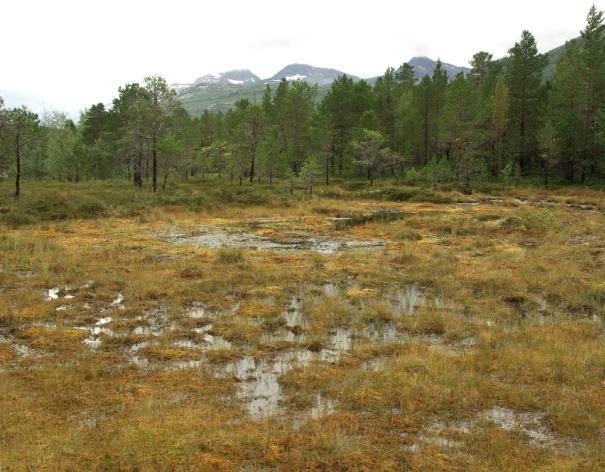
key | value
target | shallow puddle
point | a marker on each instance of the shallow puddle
(295, 321)
(203, 329)
(118, 302)
(294, 315)
(197, 312)
(387, 333)
(531, 424)
(258, 379)
(215, 342)
(340, 342)
(21, 349)
(283, 335)
(135, 359)
(157, 323)
(59, 292)
(322, 407)
(528, 423)
(93, 341)
(409, 299)
(216, 238)
(329, 289)
(188, 344)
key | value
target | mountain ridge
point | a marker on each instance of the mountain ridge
(231, 77)
(220, 91)
(216, 96)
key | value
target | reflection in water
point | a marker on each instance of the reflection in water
(295, 323)
(340, 341)
(215, 238)
(410, 298)
(329, 289)
(258, 379)
(322, 406)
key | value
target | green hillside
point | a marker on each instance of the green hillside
(553, 58)
(221, 97)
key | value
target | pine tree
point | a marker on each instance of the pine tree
(405, 77)
(524, 73)
(549, 150)
(423, 105)
(440, 85)
(593, 62)
(339, 105)
(368, 149)
(566, 110)
(386, 92)
(129, 112)
(480, 68)
(247, 133)
(161, 105)
(62, 162)
(499, 120)
(21, 128)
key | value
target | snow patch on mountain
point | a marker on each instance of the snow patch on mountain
(232, 77)
(296, 77)
(179, 87)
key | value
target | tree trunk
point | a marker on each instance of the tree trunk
(332, 157)
(426, 136)
(137, 169)
(253, 145)
(327, 170)
(18, 173)
(164, 182)
(154, 165)
(522, 155)
(252, 169)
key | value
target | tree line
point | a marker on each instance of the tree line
(502, 120)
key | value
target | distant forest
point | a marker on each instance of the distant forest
(502, 121)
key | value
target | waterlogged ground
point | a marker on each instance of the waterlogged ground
(325, 335)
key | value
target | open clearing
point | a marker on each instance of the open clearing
(345, 333)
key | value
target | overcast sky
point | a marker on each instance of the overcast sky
(66, 55)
